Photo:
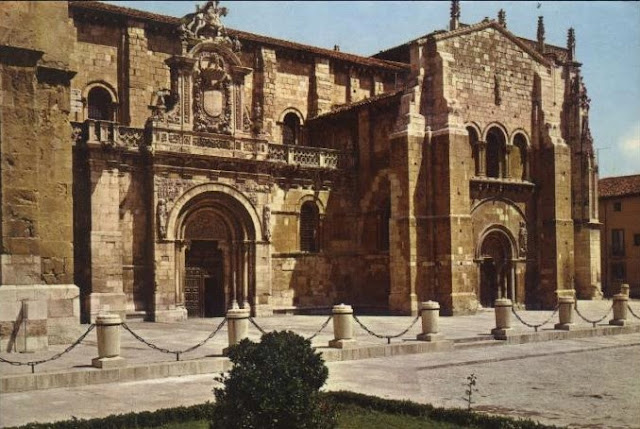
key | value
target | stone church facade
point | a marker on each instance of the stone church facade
(163, 168)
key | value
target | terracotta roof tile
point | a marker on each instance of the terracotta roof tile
(619, 186)
(366, 101)
(242, 35)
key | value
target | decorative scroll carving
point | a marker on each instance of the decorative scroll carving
(161, 214)
(212, 95)
(522, 239)
(206, 226)
(266, 223)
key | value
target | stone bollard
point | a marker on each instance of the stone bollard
(620, 303)
(624, 289)
(430, 312)
(108, 333)
(342, 327)
(565, 313)
(503, 318)
(238, 326)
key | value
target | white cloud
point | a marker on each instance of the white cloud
(630, 142)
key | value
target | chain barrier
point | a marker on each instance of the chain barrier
(54, 357)
(388, 337)
(594, 322)
(632, 313)
(531, 325)
(258, 327)
(324, 325)
(175, 352)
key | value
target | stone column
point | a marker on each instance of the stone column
(234, 275)
(503, 319)
(108, 335)
(620, 303)
(482, 158)
(245, 275)
(507, 161)
(430, 312)
(238, 320)
(566, 304)
(342, 327)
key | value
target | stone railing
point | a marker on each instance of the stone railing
(305, 156)
(158, 140)
(108, 133)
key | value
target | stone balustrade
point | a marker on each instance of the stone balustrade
(112, 134)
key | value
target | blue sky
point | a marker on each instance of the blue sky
(607, 33)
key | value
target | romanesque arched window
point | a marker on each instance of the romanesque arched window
(522, 160)
(496, 150)
(100, 104)
(291, 129)
(309, 227)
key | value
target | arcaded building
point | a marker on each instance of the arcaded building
(168, 168)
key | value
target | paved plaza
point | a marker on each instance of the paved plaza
(587, 382)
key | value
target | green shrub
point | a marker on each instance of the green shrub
(274, 384)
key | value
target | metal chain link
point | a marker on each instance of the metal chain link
(594, 322)
(632, 313)
(175, 352)
(258, 327)
(531, 325)
(388, 337)
(324, 325)
(54, 357)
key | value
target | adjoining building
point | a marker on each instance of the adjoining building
(619, 201)
(163, 168)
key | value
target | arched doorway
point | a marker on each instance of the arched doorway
(215, 255)
(496, 280)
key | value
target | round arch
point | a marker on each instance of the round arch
(100, 84)
(475, 127)
(523, 133)
(495, 253)
(496, 125)
(292, 110)
(314, 199)
(502, 199)
(234, 197)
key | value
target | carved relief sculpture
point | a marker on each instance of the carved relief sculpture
(162, 214)
(522, 239)
(266, 223)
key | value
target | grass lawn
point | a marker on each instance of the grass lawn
(354, 417)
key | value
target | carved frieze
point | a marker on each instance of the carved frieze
(169, 189)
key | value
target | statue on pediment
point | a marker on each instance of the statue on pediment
(205, 22)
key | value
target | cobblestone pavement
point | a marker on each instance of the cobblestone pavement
(586, 383)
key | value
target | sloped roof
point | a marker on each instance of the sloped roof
(242, 35)
(341, 108)
(621, 186)
(527, 45)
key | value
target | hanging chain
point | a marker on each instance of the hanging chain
(594, 322)
(531, 325)
(632, 313)
(387, 337)
(258, 327)
(324, 325)
(175, 352)
(32, 364)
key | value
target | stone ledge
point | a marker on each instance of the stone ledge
(84, 377)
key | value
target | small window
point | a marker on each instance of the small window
(309, 227)
(617, 242)
(291, 129)
(617, 206)
(100, 104)
(618, 271)
(636, 239)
